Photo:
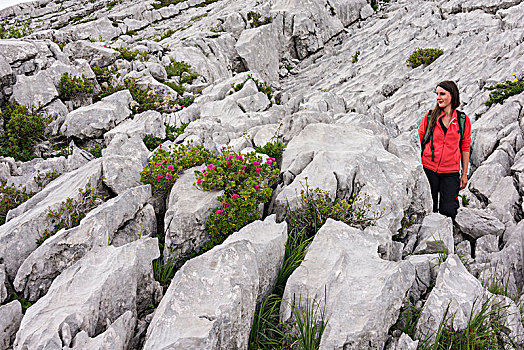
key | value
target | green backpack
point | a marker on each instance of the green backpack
(428, 134)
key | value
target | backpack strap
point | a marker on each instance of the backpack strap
(428, 137)
(461, 116)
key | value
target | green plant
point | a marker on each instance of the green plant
(267, 332)
(104, 74)
(261, 86)
(465, 200)
(164, 3)
(72, 211)
(423, 56)
(23, 129)
(309, 323)
(317, 206)
(130, 55)
(408, 318)
(273, 149)
(10, 198)
(354, 58)
(485, 330)
(17, 30)
(172, 132)
(255, 20)
(196, 18)
(500, 92)
(43, 179)
(74, 87)
(96, 150)
(165, 167)
(164, 272)
(179, 89)
(23, 302)
(112, 4)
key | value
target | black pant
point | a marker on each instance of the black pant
(448, 185)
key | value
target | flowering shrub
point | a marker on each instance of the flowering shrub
(246, 181)
(502, 91)
(165, 167)
(72, 211)
(423, 56)
(172, 132)
(273, 149)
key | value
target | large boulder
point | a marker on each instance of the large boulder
(146, 123)
(186, 215)
(211, 301)
(34, 90)
(361, 293)
(10, 318)
(15, 51)
(95, 53)
(477, 223)
(26, 223)
(67, 246)
(92, 294)
(435, 235)
(101, 29)
(504, 201)
(122, 162)
(3, 284)
(94, 120)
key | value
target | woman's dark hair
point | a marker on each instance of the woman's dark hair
(452, 88)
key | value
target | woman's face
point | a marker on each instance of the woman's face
(443, 97)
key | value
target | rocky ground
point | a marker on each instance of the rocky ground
(347, 106)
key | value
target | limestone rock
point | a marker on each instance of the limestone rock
(96, 54)
(211, 301)
(10, 318)
(100, 29)
(254, 103)
(66, 247)
(122, 162)
(142, 225)
(477, 223)
(426, 268)
(117, 336)
(435, 235)
(145, 123)
(259, 48)
(185, 218)
(34, 90)
(93, 293)
(485, 179)
(364, 299)
(26, 223)
(17, 50)
(455, 288)
(94, 120)
(3, 284)
(504, 200)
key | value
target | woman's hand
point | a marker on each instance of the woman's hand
(463, 181)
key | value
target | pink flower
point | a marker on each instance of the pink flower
(243, 166)
(228, 164)
(241, 171)
(205, 173)
(226, 204)
(210, 166)
(259, 170)
(158, 178)
(257, 188)
(169, 176)
(219, 212)
(269, 161)
(256, 163)
(158, 164)
(170, 167)
(223, 148)
(199, 182)
(234, 195)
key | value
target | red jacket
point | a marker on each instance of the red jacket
(447, 152)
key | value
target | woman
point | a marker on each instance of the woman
(445, 147)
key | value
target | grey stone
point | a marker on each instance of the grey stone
(26, 223)
(265, 134)
(157, 71)
(504, 200)
(66, 247)
(7, 76)
(10, 318)
(142, 225)
(477, 223)
(406, 343)
(426, 269)
(185, 218)
(101, 29)
(463, 250)
(78, 158)
(484, 180)
(32, 173)
(3, 284)
(435, 235)
(94, 120)
(456, 289)
(254, 103)
(359, 310)
(122, 162)
(211, 301)
(259, 48)
(92, 293)
(117, 336)
(17, 50)
(145, 123)
(34, 90)
(484, 246)
(95, 53)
